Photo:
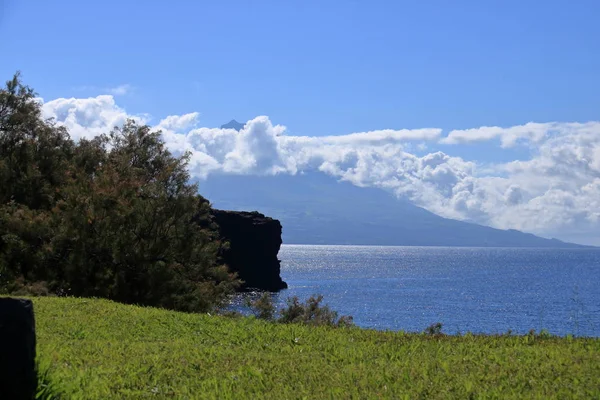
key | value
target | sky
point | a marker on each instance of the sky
(484, 111)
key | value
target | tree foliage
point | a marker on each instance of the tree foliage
(312, 312)
(114, 216)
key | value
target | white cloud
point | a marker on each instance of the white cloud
(120, 90)
(555, 192)
(385, 135)
(531, 132)
(179, 123)
(508, 136)
(86, 118)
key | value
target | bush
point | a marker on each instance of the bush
(294, 312)
(310, 313)
(434, 329)
(19, 287)
(263, 307)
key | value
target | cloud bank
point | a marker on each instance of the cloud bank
(556, 192)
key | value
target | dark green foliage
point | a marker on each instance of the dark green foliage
(33, 153)
(112, 217)
(434, 329)
(263, 307)
(543, 334)
(310, 313)
(19, 287)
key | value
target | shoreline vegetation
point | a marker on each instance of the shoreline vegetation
(99, 349)
(116, 216)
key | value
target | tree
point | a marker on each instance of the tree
(34, 157)
(34, 153)
(116, 216)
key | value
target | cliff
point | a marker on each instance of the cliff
(254, 243)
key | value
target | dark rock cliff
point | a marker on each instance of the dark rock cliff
(254, 243)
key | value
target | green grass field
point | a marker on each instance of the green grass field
(97, 349)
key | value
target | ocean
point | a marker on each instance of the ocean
(478, 290)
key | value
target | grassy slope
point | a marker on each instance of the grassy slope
(98, 349)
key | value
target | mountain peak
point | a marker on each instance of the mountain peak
(233, 124)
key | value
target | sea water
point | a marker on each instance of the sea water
(478, 290)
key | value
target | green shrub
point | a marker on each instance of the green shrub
(310, 313)
(434, 329)
(293, 312)
(263, 307)
(19, 287)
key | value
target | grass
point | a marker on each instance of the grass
(97, 349)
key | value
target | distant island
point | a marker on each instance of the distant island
(317, 209)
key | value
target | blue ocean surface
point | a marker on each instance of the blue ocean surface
(478, 290)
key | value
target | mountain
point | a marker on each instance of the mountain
(317, 209)
(233, 124)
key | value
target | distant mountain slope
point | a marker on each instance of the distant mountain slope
(316, 209)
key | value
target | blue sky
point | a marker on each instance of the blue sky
(338, 67)
(319, 67)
